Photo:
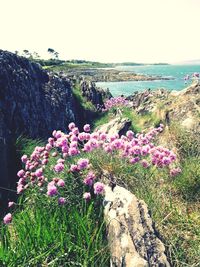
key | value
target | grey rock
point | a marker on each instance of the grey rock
(117, 125)
(132, 238)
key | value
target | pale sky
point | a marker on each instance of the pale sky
(103, 30)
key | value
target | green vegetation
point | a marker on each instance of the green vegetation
(44, 233)
(174, 202)
(87, 105)
(55, 64)
(60, 65)
(139, 122)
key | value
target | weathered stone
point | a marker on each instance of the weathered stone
(176, 106)
(131, 235)
(93, 94)
(118, 125)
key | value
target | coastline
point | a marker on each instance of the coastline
(110, 75)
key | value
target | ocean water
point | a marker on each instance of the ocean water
(175, 72)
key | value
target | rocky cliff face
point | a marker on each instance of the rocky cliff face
(32, 103)
(94, 94)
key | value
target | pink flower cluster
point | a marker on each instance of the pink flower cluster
(133, 148)
(175, 171)
(195, 75)
(115, 102)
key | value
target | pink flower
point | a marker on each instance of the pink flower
(175, 171)
(8, 218)
(74, 168)
(61, 183)
(10, 204)
(98, 188)
(136, 150)
(75, 130)
(71, 126)
(44, 161)
(21, 173)
(24, 158)
(48, 147)
(58, 134)
(65, 155)
(86, 128)
(144, 150)
(73, 151)
(166, 161)
(59, 167)
(82, 164)
(87, 196)
(39, 172)
(61, 201)
(51, 141)
(46, 154)
(87, 147)
(93, 143)
(134, 160)
(82, 136)
(172, 156)
(52, 182)
(20, 189)
(130, 135)
(89, 179)
(65, 149)
(103, 136)
(145, 163)
(74, 144)
(73, 138)
(60, 161)
(52, 190)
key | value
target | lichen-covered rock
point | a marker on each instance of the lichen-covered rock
(118, 125)
(132, 238)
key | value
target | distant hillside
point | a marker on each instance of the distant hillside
(190, 62)
(84, 64)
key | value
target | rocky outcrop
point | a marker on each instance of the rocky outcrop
(131, 235)
(176, 106)
(32, 103)
(110, 75)
(115, 126)
(94, 94)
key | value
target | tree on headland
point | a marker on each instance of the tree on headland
(53, 53)
(36, 55)
(26, 53)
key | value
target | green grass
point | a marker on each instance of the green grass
(45, 234)
(107, 116)
(58, 236)
(174, 202)
(139, 122)
(87, 105)
(66, 66)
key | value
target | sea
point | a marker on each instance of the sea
(176, 73)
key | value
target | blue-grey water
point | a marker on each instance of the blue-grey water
(175, 72)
